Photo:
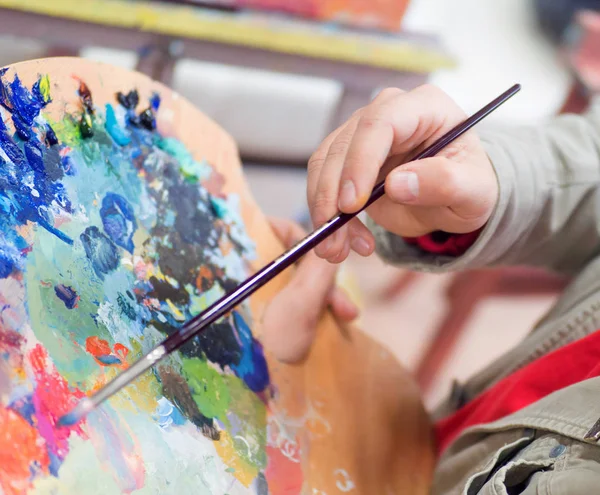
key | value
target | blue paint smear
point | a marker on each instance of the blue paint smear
(55, 463)
(10, 257)
(100, 250)
(118, 219)
(252, 368)
(34, 155)
(24, 103)
(27, 155)
(67, 295)
(114, 129)
(109, 360)
(24, 407)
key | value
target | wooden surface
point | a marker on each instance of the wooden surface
(349, 418)
(252, 30)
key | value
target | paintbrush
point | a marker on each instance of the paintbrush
(228, 302)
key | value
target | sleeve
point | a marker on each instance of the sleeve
(548, 211)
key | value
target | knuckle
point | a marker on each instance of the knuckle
(323, 200)
(430, 89)
(339, 148)
(370, 120)
(389, 93)
(315, 163)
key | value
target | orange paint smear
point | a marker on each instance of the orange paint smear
(22, 448)
(100, 350)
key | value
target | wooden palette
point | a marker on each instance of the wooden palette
(123, 212)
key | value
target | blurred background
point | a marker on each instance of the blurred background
(279, 75)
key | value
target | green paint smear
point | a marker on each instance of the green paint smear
(209, 388)
(55, 326)
(192, 170)
(67, 130)
(218, 395)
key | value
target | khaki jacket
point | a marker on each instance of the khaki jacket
(548, 215)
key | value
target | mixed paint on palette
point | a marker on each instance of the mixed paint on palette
(111, 235)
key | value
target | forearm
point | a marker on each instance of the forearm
(548, 209)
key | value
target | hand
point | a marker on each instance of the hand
(454, 191)
(290, 321)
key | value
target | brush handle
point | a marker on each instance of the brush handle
(224, 305)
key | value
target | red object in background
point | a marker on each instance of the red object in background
(384, 15)
(583, 50)
(559, 369)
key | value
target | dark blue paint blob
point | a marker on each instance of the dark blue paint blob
(67, 295)
(24, 130)
(130, 100)
(119, 221)
(109, 360)
(100, 250)
(34, 155)
(51, 139)
(147, 119)
(252, 368)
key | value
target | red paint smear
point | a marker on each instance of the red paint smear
(52, 399)
(284, 477)
(97, 347)
(22, 449)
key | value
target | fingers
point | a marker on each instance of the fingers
(287, 231)
(323, 188)
(341, 305)
(290, 320)
(362, 241)
(439, 181)
(435, 194)
(398, 127)
(327, 191)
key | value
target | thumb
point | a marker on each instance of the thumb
(433, 182)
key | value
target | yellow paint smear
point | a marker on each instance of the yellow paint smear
(243, 472)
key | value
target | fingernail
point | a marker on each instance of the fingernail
(360, 246)
(347, 195)
(404, 186)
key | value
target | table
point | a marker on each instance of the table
(162, 33)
